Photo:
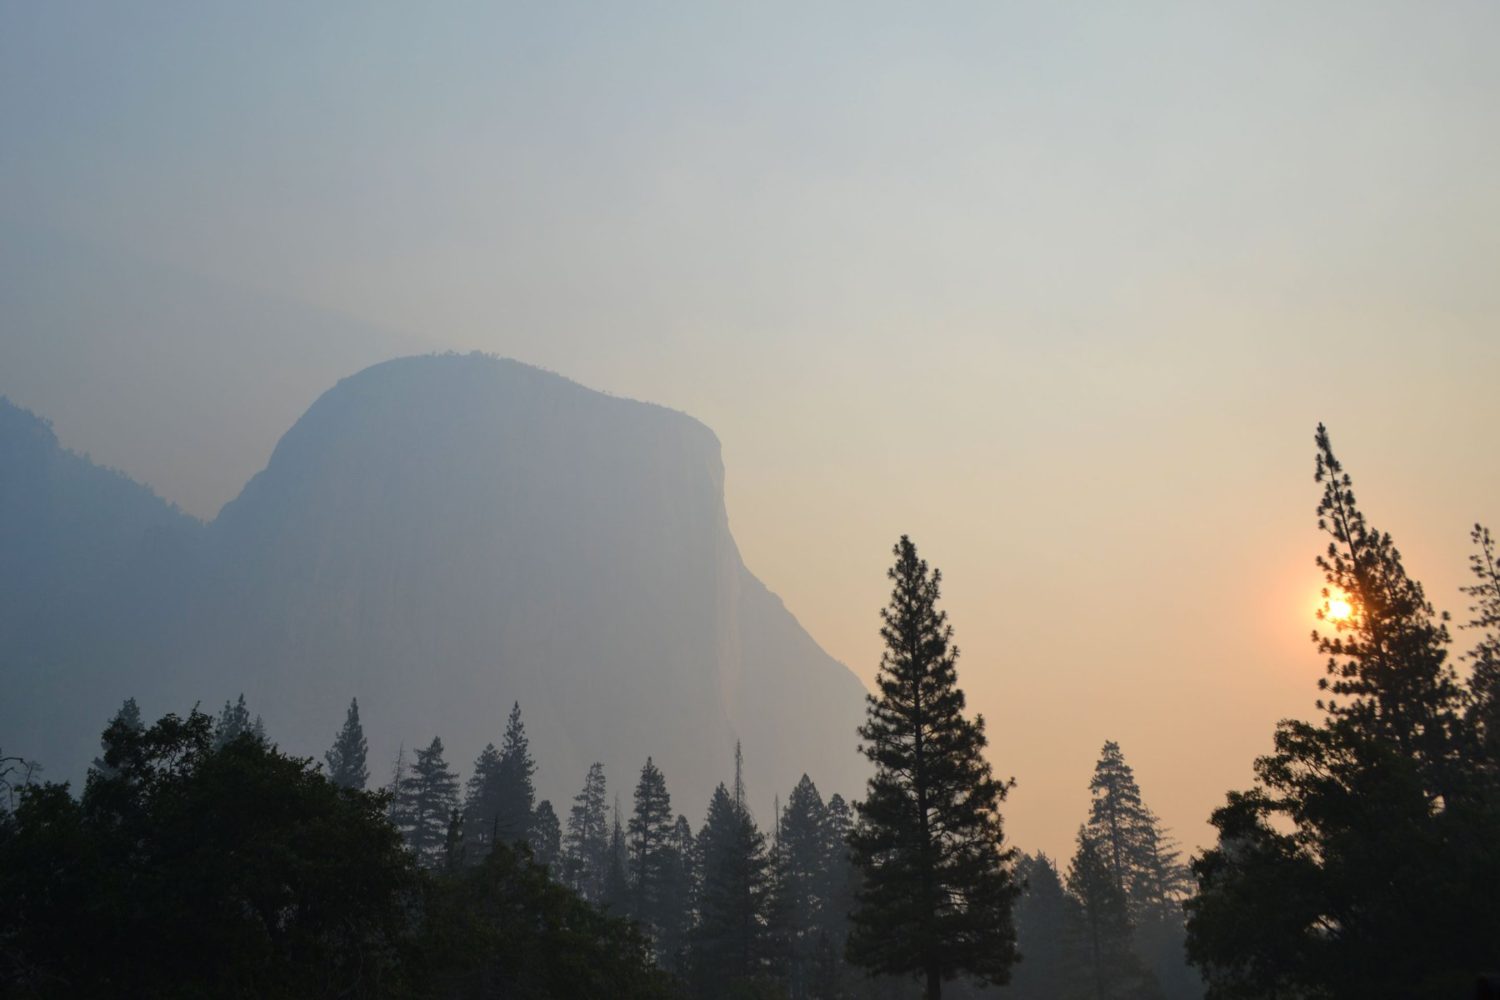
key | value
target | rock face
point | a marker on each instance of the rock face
(437, 536)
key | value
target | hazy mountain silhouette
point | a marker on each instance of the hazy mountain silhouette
(438, 536)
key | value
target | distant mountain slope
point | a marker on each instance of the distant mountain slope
(442, 535)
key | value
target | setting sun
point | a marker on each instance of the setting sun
(1339, 609)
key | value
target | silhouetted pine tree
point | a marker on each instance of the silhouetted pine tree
(426, 796)
(801, 880)
(1146, 865)
(482, 803)
(617, 895)
(346, 758)
(835, 978)
(679, 894)
(235, 721)
(546, 836)
(937, 892)
(1484, 658)
(129, 716)
(586, 847)
(1115, 973)
(516, 796)
(729, 944)
(1050, 936)
(453, 843)
(652, 859)
(1117, 817)
(1364, 861)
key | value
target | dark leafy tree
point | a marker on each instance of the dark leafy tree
(189, 870)
(1364, 861)
(937, 892)
(503, 928)
(729, 944)
(546, 835)
(426, 798)
(347, 766)
(586, 846)
(128, 716)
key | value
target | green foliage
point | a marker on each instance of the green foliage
(937, 892)
(1364, 862)
(347, 758)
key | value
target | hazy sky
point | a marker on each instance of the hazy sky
(1060, 293)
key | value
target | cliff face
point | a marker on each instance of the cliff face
(441, 536)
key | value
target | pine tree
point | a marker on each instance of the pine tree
(1117, 817)
(398, 775)
(650, 841)
(482, 803)
(799, 907)
(235, 721)
(129, 717)
(841, 890)
(346, 758)
(617, 895)
(1484, 658)
(1364, 860)
(453, 843)
(1050, 936)
(426, 797)
(515, 796)
(937, 893)
(729, 944)
(586, 847)
(546, 835)
(679, 894)
(1114, 970)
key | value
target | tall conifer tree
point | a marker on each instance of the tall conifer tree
(346, 759)
(650, 840)
(937, 893)
(515, 796)
(729, 947)
(426, 797)
(546, 836)
(1364, 861)
(586, 846)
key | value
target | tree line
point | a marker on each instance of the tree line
(1365, 861)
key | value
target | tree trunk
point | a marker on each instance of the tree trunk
(934, 983)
